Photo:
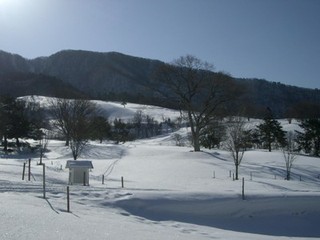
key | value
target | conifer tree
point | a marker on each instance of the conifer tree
(309, 139)
(271, 131)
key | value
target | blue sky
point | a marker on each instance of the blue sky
(276, 40)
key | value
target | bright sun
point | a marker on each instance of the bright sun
(11, 5)
(4, 3)
(8, 3)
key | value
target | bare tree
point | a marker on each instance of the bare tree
(61, 113)
(77, 145)
(290, 153)
(198, 91)
(237, 140)
(73, 120)
(178, 139)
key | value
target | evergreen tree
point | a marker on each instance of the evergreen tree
(120, 132)
(18, 120)
(18, 126)
(100, 128)
(270, 131)
(309, 139)
(213, 135)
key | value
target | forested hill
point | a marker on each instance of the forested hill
(115, 76)
(103, 75)
(283, 100)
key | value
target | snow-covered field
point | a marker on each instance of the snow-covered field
(169, 193)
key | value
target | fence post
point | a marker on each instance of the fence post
(68, 199)
(44, 180)
(84, 178)
(29, 169)
(102, 179)
(242, 188)
(122, 183)
(23, 170)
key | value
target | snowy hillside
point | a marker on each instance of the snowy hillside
(169, 193)
(114, 110)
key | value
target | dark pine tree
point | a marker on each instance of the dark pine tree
(309, 139)
(100, 128)
(271, 131)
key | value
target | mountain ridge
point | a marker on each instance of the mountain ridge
(117, 76)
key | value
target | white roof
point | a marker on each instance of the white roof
(79, 164)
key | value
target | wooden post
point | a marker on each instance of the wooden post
(23, 170)
(84, 178)
(102, 179)
(122, 183)
(242, 188)
(230, 174)
(29, 169)
(44, 180)
(41, 153)
(68, 199)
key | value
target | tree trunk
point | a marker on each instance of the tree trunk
(5, 143)
(67, 142)
(196, 144)
(237, 171)
(269, 146)
(316, 147)
(288, 175)
(18, 143)
(75, 155)
(195, 133)
(196, 140)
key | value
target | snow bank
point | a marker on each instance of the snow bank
(169, 192)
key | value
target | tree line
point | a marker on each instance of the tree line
(203, 97)
(76, 121)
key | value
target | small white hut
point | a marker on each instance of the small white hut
(79, 171)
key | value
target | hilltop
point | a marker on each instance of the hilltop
(118, 77)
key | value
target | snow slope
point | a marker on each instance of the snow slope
(169, 193)
(114, 110)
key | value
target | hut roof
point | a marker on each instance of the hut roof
(79, 164)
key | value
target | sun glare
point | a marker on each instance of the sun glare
(3, 2)
(8, 3)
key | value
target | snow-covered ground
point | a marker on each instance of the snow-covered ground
(169, 192)
(113, 110)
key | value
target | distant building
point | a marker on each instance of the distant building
(79, 171)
